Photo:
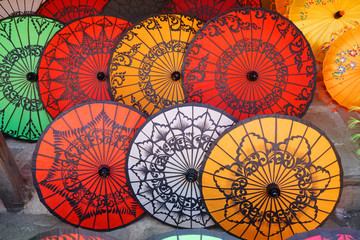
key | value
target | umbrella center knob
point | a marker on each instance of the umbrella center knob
(191, 175)
(252, 76)
(100, 76)
(176, 76)
(273, 190)
(31, 77)
(104, 171)
(339, 14)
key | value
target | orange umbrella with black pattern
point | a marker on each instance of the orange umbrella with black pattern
(271, 176)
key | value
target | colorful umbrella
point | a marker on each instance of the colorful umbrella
(71, 234)
(164, 159)
(322, 21)
(193, 234)
(206, 10)
(341, 69)
(328, 234)
(271, 176)
(22, 39)
(145, 68)
(74, 66)
(18, 7)
(79, 166)
(283, 7)
(69, 10)
(250, 61)
(134, 10)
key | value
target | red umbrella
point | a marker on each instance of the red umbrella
(328, 234)
(79, 166)
(73, 68)
(205, 10)
(251, 61)
(71, 234)
(69, 10)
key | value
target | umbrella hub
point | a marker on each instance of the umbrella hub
(176, 76)
(104, 171)
(101, 76)
(31, 77)
(273, 190)
(191, 175)
(339, 14)
(252, 76)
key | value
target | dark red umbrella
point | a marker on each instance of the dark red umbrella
(205, 9)
(79, 166)
(134, 10)
(74, 65)
(69, 10)
(251, 61)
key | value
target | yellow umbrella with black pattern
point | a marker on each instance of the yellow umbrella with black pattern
(271, 176)
(146, 64)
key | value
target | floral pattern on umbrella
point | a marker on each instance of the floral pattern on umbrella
(164, 161)
(79, 166)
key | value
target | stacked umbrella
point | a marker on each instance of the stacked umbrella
(100, 163)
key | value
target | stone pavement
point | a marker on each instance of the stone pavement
(35, 218)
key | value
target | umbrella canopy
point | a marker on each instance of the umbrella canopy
(322, 21)
(164, 159)
(145, 67)
(71, 234)
(271, 176)
(22, 39)
(134, 10)
(341, 69)
(18, 7)
(251, 61)
(193, 234)
(74, 65)
(79, 166)
(283, 7)
(206, 10)
(69, 10)
(328, 234)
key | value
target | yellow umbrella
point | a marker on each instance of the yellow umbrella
(341, 69)
(322, 21)
(271, 176)
(145, 68)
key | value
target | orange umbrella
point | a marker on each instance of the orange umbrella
(79, 166)
(145, 67)
(341, 69)
(283, 6)
(271, 176)
(322, 21)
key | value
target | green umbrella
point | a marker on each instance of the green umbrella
(193, 234)
(22, 39)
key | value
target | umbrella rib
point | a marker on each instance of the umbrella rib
(283, 179)
(285, 216)
(113, 180)
(263, 218)
(109, 156)
(54, 145)
(315, 181)
(124, 144)
(261, 184)
(96, 184)
(265, 179)
(294, 213)
(239, 147)
(277, 177)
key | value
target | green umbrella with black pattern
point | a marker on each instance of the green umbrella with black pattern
(22, 39)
